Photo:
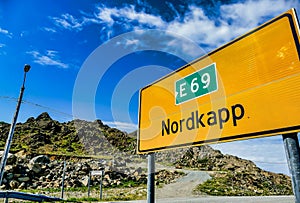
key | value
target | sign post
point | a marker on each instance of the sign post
(151, 179)
(63, 180)
(96, 173)
(291, 145)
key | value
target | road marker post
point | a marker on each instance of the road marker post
(291, 145)
(151, 179)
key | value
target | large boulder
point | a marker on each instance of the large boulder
(23, 179)
(85, 180)
(36, 168)
(41, 159)
(14, 184)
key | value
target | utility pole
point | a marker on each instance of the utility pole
(12, 127)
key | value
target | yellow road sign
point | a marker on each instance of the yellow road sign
(247, 88)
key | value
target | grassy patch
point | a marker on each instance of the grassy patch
(87, 199)
(240, 184)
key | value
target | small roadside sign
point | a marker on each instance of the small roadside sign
(97, 173)
(247, 88)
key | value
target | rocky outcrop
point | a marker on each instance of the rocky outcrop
(42, 173)
(44, 135)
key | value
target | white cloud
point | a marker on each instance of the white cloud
(234, 20)
(128, 15)
(69, 22)
(5, 32)
(198, 27)
(252, 12)
(105, 15)
(2, 52)
(131, 42)
(123, 126)
(48, 59)
(47, 29)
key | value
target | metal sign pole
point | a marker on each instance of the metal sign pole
(100, 187)
(291, 145)
(151, 179)
(89, 184)
(63, 180)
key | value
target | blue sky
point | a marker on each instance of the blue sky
(59, 38)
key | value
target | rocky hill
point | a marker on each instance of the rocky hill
(92, 145)
(46, 136)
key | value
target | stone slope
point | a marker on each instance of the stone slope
(233, 175)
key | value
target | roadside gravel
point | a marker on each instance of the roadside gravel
(184, 186)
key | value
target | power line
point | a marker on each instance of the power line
(40, 106)
(50, 109)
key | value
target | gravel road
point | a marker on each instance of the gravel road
(181, 191)
(184, 186)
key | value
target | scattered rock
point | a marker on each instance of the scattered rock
(41, 159)
(85, 181)
(22, 186)
(36, 168)
(23, 179)
(14, 184)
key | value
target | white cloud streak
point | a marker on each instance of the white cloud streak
(199, 28)
(68, 21)
(48, 59)
(47, 29)
(234, 20)
(250, 13)
(128, 15)
(123, 126)
(5, 32)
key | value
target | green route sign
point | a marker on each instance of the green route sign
(197, 84)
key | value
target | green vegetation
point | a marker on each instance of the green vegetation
(87, 199)
(129, 183)
(124, 193)
(239, 184)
